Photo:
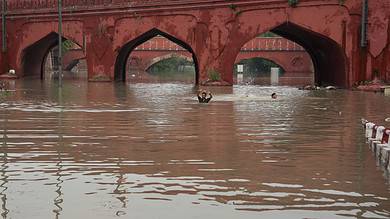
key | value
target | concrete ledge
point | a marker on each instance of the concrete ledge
(371, 88)
(100, 78)
(386, 90)
(215, 83)
(9, 76)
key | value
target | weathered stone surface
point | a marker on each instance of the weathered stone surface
(213, 32)
(216, 83)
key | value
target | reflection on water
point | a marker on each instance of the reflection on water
(103, 150)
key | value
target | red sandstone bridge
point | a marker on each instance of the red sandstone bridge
(213, 31)
(288, 55)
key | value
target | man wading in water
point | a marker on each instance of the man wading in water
(202, 96)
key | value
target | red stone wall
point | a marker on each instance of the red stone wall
(379, 40)
(215, 31)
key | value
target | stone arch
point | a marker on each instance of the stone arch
(164, 57)
(30, 34)
(328, 57)
(33, 56)
(125, 50)
(315, 35)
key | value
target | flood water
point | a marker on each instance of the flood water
(103, 150)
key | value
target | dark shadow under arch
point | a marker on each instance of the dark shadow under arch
(328, 57)
(124, 53)
(259, 57)
(33, 56)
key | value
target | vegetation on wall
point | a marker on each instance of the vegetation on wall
(268, 34)
(233, 7)
(67, 45)
(4, 90)
(214, 75)
(293, 3)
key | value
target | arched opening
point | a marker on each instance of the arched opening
(74, 64)
(146, 47)
(34, 56)
(171, 68)
(307, 57)
(176, 58)
(40, 60)
(328, 57)
(290, 63)
(256, 71)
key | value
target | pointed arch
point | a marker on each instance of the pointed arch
(125, 50)
(33, 56)
(328, 57)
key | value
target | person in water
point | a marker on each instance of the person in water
(274, 96)
(202, 96)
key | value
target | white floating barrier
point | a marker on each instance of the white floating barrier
(378, 138)
(379, 131)
(387, 91)
(369, 129)
(384, 149)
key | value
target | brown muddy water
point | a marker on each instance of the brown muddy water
(102, 150)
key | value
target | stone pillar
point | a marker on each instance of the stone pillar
(215, 52)
(275, 76)
(100, 55)
(356, 55)
(379, 40)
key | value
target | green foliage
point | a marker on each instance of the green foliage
(233, 7)
(67, 45)
(293, 3)
(235, 10)
(258, 67)
(214, 75)
(4, 94)
(3, 90)
(236, 13)
(171, 66)
(268, 34)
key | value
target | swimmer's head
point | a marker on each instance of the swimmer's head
(274, 96)
(204, 94)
